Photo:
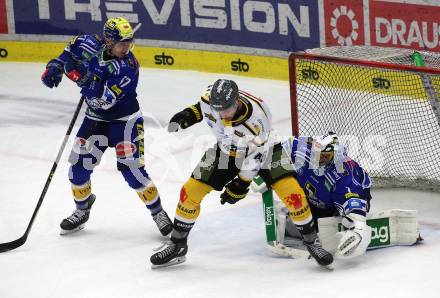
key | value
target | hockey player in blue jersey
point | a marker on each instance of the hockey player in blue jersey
(107, 72)
(335, 185)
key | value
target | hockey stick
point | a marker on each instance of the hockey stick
(20, 241)
(270, 221)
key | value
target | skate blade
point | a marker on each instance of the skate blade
(286, 251)
(329, 267)
(173, 262)
(66, 232)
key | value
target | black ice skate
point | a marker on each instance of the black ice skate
(169, 254)
(163, 222)
(323, 257)
(78, 219)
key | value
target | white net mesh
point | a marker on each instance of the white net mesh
(387, 116)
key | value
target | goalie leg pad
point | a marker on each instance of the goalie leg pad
(388, 228)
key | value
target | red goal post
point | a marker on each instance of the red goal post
(382, 106)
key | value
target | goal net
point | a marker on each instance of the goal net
(382, 106)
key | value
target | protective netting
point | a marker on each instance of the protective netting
(385, 115)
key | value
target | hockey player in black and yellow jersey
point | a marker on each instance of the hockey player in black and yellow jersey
(245, 147)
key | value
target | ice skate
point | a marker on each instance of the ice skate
(78, 219)
(163, 222)
(321, 256)
(169, 254)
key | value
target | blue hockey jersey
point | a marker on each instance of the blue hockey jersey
(341, 186)
(112, 93)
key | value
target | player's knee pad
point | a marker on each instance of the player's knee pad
(78, 175)
(136, 177)
(293, 196)
(81, 192)
(191, 195)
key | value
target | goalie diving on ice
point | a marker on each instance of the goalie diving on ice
(338, 191)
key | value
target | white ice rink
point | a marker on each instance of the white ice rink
(227, 255)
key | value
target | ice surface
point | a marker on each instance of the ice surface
(227, 254)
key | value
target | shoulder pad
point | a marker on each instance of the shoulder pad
(73, 40)
(84, 46)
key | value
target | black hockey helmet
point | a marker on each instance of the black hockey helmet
(224, 94)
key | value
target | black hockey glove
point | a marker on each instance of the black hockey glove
(234, 191)
(78, 72)
(184, 119)
(53, 74)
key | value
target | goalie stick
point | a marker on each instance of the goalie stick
(20, 241)
(273, 244)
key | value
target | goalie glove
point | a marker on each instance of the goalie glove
(185, 118)
(354, 241)
(234, 191)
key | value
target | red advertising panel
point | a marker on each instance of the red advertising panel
(3, 17)
(344, 22)
(405, 25)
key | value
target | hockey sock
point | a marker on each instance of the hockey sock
(150, 196)
(81, 194)
(292, 195)
(188, 208)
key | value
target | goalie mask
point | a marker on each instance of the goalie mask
(328, 151)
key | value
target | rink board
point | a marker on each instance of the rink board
(165, 58)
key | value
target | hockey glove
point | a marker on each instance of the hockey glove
(353, 242)
(184, 119)
(234, 191)
(53, 74)
(78, 72)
